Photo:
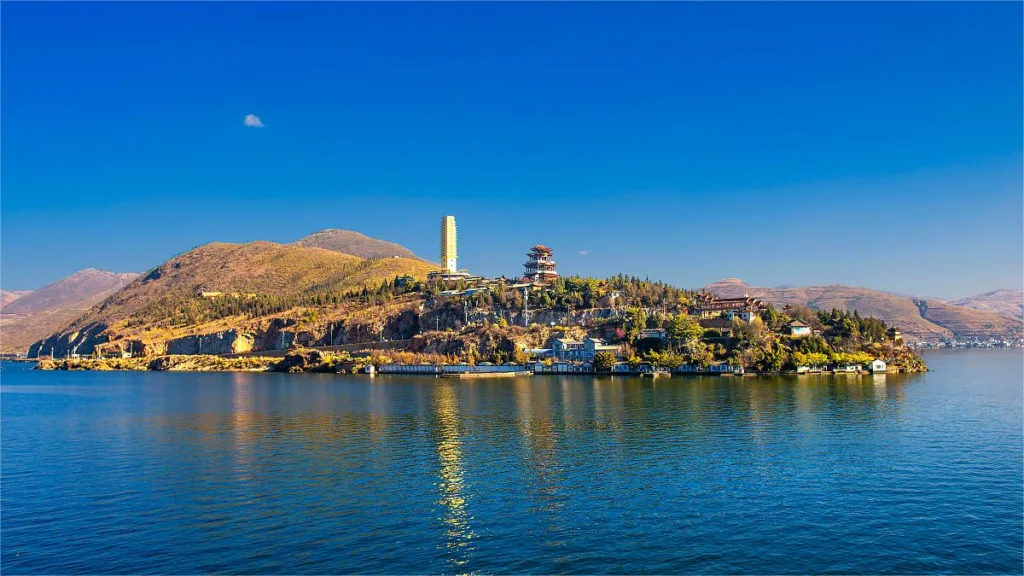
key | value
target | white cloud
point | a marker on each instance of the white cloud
(253, 121)
(583, 252)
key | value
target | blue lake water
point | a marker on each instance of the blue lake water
(270, 473)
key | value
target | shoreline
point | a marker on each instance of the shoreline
(313, 363)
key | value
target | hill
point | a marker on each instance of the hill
(222, 287)
(920, 319)
(8, 296)
(1006, 303)
(38, 313)
(354, 244)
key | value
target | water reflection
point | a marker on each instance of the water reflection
(243, 423)
(458, 534)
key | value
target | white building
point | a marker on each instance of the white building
(878, 366)
(576, 350)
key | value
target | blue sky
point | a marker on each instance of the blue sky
(875, 144)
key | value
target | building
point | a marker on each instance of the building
(540, 267)
(878, 366)
(591, 346)
(798, 329)
(746, 315)
(567, 349)
(708, 306)
(721, 325)
(895, 335)
(654, 334)
(449, 255)
(449, 245)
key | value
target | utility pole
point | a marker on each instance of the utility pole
(526, 308)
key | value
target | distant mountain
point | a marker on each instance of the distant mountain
(1007, 303)
(37, 313)
(167, 302)
(8, 296)
(918, 318)
(354, 244)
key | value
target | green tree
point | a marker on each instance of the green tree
(636, 320)
(685, 329)
(700, 355)
(604, 361)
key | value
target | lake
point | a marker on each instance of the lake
(106, 472)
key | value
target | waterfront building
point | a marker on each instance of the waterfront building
(591, 346)
(878, 366)
(567, 349)
(582, 350)
(540, 267)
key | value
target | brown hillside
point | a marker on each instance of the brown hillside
(354, 244)
(263, 269)
(940, 319)
(8, 296)
(1005, 302)
(42, 311)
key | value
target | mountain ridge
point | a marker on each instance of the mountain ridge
(211, 287)
(355, 244)
(919, 318)
(40, 312)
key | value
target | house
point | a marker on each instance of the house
(720, 325)
(747, 315)
(707, 306)
(621, 367)
(654, 334)
(798, 329)
(895, 335)
(560, 367)
(576, 350)
(591, 346)
(567, 349)
(877, 366)
(645, 368)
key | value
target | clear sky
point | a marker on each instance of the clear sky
(875, 144)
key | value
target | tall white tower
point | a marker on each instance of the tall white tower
(448, 245)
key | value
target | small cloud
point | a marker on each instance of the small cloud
(583, 252)
(253, 121)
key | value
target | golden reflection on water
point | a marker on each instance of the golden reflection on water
(243, 425)
(452, 486)
(378, 417)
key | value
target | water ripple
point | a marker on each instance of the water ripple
(261, 473)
